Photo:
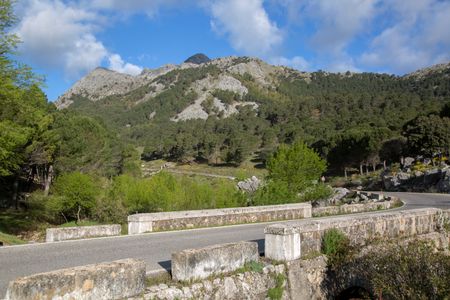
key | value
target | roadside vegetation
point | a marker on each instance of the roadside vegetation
(396, 269)
(83, 165)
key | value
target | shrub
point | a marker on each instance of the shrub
(318, 191)
(274, 192)
(296, 165)
(336, 246)
(412, 271)
(73, 195)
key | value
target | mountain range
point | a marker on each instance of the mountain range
(224, 109)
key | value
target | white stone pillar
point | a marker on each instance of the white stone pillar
(282, 242)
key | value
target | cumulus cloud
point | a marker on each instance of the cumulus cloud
(246, 24)
(340, 22)
(62, 36)
(296, 62)
(116, 63)
(134, 6)
(418, 37)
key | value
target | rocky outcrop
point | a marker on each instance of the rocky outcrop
(249, 185)
(198, 59)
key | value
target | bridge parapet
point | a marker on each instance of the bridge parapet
(297, 239)
(140, 223)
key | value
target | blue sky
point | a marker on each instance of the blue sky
(64, 40)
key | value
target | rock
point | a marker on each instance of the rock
(432, 177)
(339, 193)
(408, 161)
(426, 161)
(249, 185)
(198, 59)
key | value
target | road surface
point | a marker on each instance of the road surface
(154, 248)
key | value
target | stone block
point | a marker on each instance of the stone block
(282, 243)
(200, 263)
(114, 280)
(81, 232)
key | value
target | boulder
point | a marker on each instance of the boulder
(249, 185)
(408, 161)
(339, 194)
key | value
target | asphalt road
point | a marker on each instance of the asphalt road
(154, 248)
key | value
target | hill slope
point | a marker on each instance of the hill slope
(224, 109)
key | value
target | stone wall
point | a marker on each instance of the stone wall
(140, 223)
(291, 241)
(81, 232)
(354, 208)
(250, 284)
(114, 280)
(193, 264)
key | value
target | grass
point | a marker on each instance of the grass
(8, 239)
(17, 221)
(245, 170)
(276, 293)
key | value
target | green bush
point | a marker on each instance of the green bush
(274, 192)
(73, 196)
(318, 191)
(297, 166)
(165, 192)
(336, 246)
(406, 271)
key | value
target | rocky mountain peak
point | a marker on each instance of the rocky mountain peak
(198, 59)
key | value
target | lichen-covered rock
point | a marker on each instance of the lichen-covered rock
(249, 185)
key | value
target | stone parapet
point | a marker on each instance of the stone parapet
(193, 264)
(354, 208)
(81, 232)
(359, 228)
(140, 223)
(115, 280)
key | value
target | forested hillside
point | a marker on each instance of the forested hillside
(240, 106)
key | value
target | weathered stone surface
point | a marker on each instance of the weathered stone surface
(140, 223)
(200, 263)
(353, 208)
(282, 244)
(306, 277)
(359, 228)
(81, 232)
(339, 193)
(249, 285)
(249, 185)
(114, 280)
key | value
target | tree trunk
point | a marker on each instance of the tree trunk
(367, 170)
(15, 196)
(374, 165)
(384, 164)
(361, 169)
(78, 214)
(345, 173)
(48, 180)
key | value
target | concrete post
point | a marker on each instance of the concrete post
(282, 243)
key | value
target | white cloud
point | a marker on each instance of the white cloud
(417, 38)
(339, 22)
(247, 25)
(149, 7)
(296, 62)
(62, 36)
(117, 64)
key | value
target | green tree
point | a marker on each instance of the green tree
(428, 135)
(297, 166)
(75, 194)
(25, 116)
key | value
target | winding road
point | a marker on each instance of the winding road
(154, 248)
